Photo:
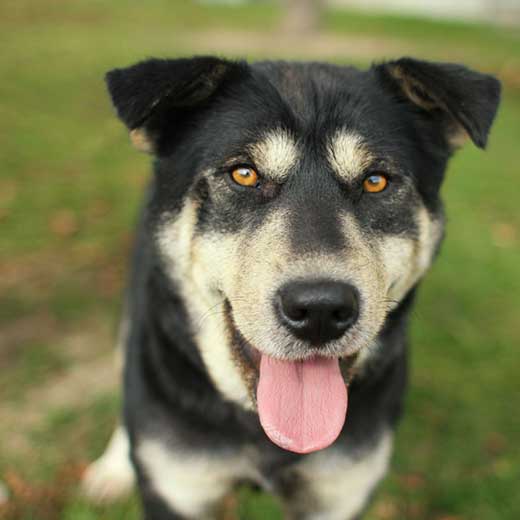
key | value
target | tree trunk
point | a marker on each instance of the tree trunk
(302, 16)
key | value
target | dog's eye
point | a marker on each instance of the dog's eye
(375, 183)
(245, 176)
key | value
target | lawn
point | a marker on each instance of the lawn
(70, 188)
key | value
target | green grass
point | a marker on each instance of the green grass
(34, 362)
(70, 187)
(471, 42)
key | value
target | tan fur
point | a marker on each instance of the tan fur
(248, 268)
(198, 281)
(339, 484)
(402, 262)
(192, 483)
(348, 155)
(430, 235)
(141, 141)
(275, 154)
(457, 137)
(111, 476)
(406, 260)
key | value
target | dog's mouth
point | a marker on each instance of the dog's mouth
(302, 404)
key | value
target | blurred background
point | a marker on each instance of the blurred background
(70, 186)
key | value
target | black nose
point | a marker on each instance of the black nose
(318, 311)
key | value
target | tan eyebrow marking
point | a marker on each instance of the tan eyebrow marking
(348, 155)
(275, 154)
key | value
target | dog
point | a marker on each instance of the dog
(294, 209)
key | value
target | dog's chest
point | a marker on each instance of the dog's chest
(313, 482)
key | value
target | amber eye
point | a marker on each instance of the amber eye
(245, 176)
(375, 183)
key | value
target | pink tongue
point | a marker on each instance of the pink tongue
(302, 404)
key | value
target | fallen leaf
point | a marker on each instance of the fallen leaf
(64, 223)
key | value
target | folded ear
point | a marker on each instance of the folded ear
(462, 100)
(155, 95)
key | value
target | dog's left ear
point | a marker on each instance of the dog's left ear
(463, 101)
(156, 98)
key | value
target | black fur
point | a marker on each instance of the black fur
(468, 97)
(200, 112)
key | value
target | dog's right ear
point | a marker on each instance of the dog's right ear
(461, 101)
(154, 96)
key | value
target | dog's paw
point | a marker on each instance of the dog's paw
(105, 482)
(111, 476)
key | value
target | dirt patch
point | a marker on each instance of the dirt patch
(24, 330)
(45, 500)
(329, 46)
(39, 271)
(280, 45)
(92, 374)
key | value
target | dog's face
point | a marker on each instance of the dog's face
(290, 209)
(298, 202)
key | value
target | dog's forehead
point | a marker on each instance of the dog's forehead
(337, 117)
(310, 87)
(322, 95)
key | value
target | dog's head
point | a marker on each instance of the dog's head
(296, 204)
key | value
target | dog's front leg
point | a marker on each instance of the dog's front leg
(335, 485)
(179, 483)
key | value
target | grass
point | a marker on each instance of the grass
(70, 188)
(473, 42)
